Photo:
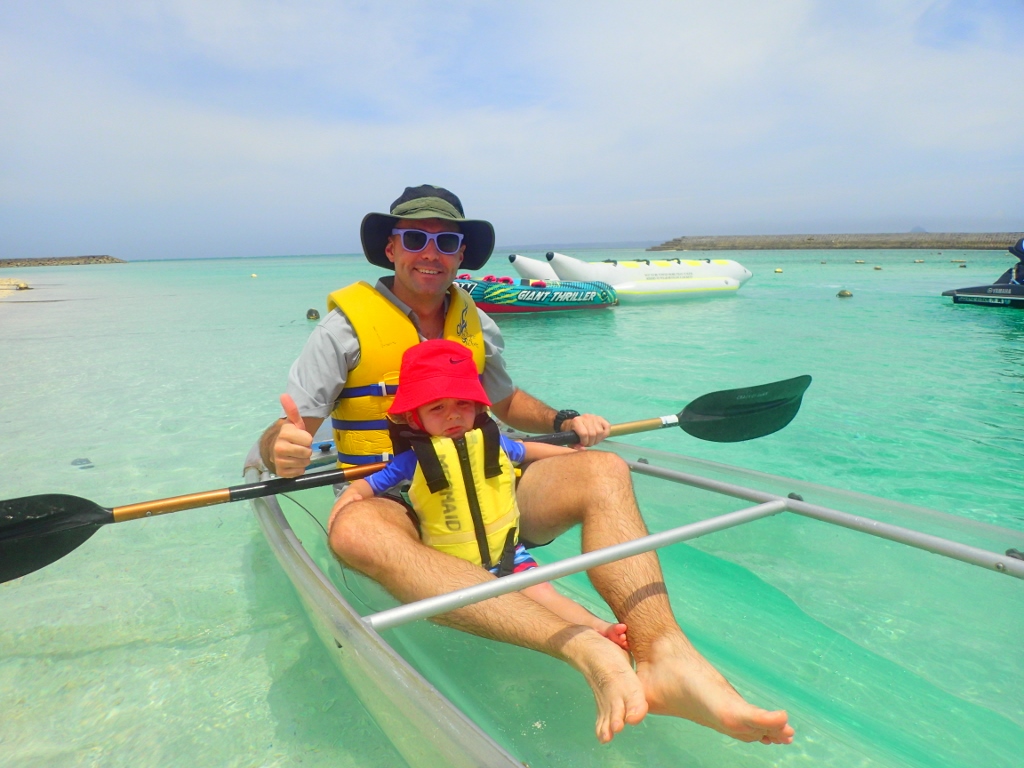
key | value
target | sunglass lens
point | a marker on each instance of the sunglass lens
(448, 242)
(414, 240)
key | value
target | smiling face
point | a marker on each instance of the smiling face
(428, 273)
(448, 417)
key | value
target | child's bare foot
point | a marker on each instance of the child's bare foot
(616, 633)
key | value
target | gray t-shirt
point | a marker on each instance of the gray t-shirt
(318, 375)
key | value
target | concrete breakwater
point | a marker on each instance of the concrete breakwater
(60, 261)
(973, 241)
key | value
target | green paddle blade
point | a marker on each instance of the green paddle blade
(36, 530)
(735, 415)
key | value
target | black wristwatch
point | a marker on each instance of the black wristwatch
(564, 415)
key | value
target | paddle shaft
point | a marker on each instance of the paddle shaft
(242, 492)
(37, 530)
(317, 479)
(281, 485)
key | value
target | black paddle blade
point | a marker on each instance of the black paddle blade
(734, 415)
(37, 530)
(25, 555)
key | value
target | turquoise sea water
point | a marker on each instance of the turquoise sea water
(177, 640)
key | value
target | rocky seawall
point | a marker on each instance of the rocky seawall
(60, 261)
(972, 241)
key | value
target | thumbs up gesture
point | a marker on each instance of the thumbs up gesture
(293, 446)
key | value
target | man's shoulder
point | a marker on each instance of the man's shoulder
(360, 289)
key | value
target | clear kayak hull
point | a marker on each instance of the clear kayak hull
(882, 653)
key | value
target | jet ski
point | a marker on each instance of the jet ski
(1007, 291)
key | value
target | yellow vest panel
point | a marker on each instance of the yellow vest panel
(384, 332)
(446, 520)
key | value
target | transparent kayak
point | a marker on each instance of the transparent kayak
(892, 634)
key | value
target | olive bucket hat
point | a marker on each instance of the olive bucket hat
(426, 202)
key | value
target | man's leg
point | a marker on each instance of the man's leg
(594, 489)
(377, 538)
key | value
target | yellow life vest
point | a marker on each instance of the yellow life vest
(384, 332)
(464, 493)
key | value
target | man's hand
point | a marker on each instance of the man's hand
(293, 445)
(591, 429)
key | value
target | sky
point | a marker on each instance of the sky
(148, 129)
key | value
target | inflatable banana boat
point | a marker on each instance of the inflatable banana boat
(646, 279)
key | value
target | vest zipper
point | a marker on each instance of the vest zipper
(474, 502)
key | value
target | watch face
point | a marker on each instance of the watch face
(562, 416)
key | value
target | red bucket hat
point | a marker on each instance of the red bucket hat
(435, 369)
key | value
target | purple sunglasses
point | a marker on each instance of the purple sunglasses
(415, 240)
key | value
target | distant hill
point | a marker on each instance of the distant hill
(60, 261)
(980, 241)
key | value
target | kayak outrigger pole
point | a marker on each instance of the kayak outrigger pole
(767, 505)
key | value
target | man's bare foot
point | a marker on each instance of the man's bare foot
(617, 690)
(678, 681)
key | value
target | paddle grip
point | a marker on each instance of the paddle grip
(312, 480)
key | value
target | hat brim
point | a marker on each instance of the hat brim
(428, 390)
(376, 229)
(1017, 249)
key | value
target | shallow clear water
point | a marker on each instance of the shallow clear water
(178, 640)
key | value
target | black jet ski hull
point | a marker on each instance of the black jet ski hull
(998, 295)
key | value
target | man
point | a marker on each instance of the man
(343, 371)
(1017, 271)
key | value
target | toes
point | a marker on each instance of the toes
(636, 713)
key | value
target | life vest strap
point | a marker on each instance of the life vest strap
(492, 444)
(349, 458)
(508, 554)
(430, 465)
(380, 389)
(364, 424)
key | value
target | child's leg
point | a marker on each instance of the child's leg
(570, 610)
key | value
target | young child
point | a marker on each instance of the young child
(460, 470)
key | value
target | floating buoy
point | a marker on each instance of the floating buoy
(777, 271)
(877, 267)
(844, 294)
(253, 275)
(312, 314)
(859, 261)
